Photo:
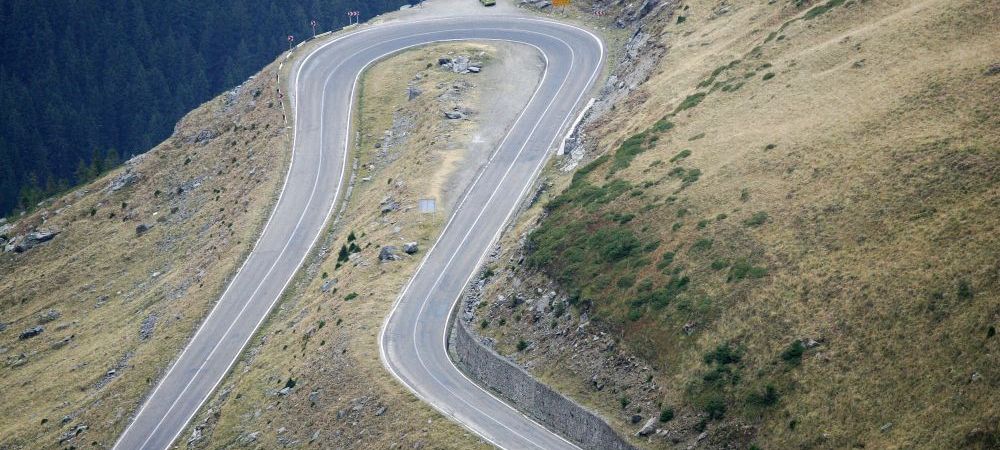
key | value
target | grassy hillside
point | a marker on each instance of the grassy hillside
(140, 256)
(798, 230)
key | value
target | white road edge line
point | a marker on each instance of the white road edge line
(382, 342)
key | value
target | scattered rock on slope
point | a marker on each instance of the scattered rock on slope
(388, 253)
(33, 239)
(31, 332)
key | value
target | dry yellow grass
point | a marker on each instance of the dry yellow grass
(873, 151)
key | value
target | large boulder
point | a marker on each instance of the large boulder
(410, 248)
(31, 332)
(388, 253)
(648, 428)
(34, 239)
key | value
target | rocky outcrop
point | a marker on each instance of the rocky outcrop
(388, 253)
(31, 332)
(21, 244)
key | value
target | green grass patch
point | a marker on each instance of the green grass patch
(742, 269)
(757, 219)
(691, 101)
(681, 155)
(821, 9)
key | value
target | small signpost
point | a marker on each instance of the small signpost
(562, 3)
(352, 17)
(313, 24)
(290, 40)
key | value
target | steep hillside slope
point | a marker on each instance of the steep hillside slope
(313, 374)
(91, 318)
(790, 239)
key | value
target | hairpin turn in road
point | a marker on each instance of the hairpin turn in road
(412, 342)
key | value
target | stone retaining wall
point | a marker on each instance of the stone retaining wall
(530, 396)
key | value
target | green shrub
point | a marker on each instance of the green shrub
(720, 217)
(614, 245)
(691, 176)
(681, 19)
(681, 155)
(821, 9)
(964, 290)
(793, 354)
(757, 219)
(719, 264)
(559, 309)
(702, 223)
(768, 76)
(701, 245)
(690, 101)
(343, 255)
(696, 137)
(715, 407)
(624, 401)
(723, 354)
(629, 149)
(351, 296)
(662, 125)
(521, 345)
(764, 399)
(485, 323)
(742, 268)
(666, 414)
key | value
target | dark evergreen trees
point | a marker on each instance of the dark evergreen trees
(80, 78)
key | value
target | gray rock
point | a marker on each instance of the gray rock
(410, 248)
(122, 180)
(460, 64)
(205, 136)
(992, 70)
(34, 239)
(285, 391)
(62, 343)
(413, 92)
(648, 428)
(389, 205)
(3, 327)
(474, 69)
(249, 438)
(636, 418)
(444, 61)
(328, 285)
(142, 228)
(147, 327)
(388, 253)
(49, 316)
(31, 332)
(453, 115)
(5, 228)
(380, 411)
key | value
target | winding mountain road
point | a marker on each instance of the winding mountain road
(412, 342)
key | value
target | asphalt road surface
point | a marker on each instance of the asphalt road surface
(412, 340)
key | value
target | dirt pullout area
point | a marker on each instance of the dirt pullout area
(312, 375)
(104, 285)
(791, 239)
